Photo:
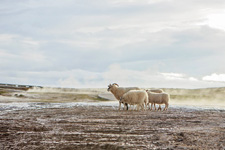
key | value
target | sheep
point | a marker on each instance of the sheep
(156, 91)
(119, 91)
(135, 97)
(158, 98)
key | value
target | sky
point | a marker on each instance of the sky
(92, 43)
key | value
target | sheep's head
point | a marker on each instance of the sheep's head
(112, 85)
(109, 87)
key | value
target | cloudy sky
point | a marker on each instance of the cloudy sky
(91, 43)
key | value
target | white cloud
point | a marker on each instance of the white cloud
(5, 54)
(192, 79)
(162, 43)
(173, 76)
(7, 38)
(216, 20)
(215, 77)
(125, 77)
(115, 73)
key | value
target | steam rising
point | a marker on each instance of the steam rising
(192, 97)
(66, 90)
(198, 97)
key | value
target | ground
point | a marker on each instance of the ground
(104, 127)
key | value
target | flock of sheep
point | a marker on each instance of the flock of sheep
(140, 98)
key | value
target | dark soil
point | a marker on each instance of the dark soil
(92, 127)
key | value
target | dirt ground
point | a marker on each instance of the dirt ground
(104, 127)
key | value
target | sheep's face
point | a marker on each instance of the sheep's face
(109, 87)
(112, 85)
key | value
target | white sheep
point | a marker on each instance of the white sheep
(156, 91)
(135, 97)
(119, 91)
(158, 98)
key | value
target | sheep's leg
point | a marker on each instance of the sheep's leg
(144, 105)
(154, 106)
(166, 106)
(126, 105)
(138, 107)
(119, 105)
(159, 108)
(151, 106)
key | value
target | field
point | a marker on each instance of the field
(104, 127)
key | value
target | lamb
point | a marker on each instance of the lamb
(156, 91)
(158, 98)
(119, 91)
(135, 97)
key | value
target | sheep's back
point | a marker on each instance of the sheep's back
(156, 90)
(159, 98)
(124, 90)
(135, 96)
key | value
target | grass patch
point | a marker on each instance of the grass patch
(98, 98)
(2, 92)
(19, 95)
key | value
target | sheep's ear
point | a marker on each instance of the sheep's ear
(110, 85)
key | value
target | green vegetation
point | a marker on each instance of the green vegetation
(19, 95)
(3, 92)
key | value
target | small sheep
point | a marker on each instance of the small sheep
(156, 91)
(158, 98)
(135, 97)
(119, 91)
